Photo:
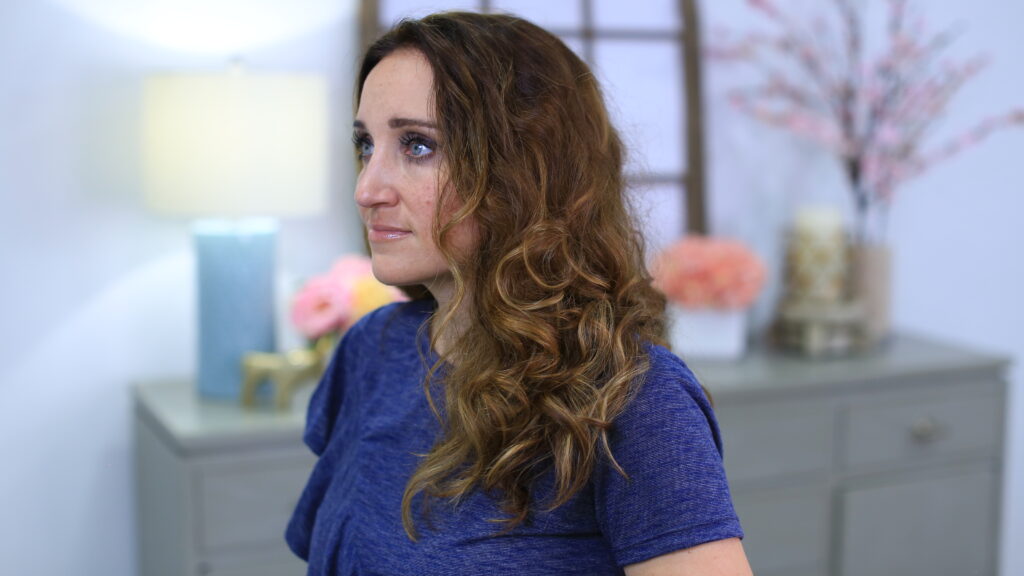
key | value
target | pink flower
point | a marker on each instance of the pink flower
(700, 272)
(765, 6)
(348, 267)
(320, 307)
(333, 302)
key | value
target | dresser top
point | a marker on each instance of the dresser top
(198, 425)
(903, 357)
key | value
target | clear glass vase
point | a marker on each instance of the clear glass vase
(871, 256)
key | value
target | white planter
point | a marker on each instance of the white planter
(707, 333)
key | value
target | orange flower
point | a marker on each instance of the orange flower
(701, 272)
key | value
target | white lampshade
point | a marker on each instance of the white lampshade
(235, 145)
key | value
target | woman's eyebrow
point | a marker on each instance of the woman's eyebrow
(406, 122)
(399, 123)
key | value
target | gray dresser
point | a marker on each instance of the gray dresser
(215, 485)
(881, 465)
(887, 464)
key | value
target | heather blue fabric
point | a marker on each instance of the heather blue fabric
(369, 418)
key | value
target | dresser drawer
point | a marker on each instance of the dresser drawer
(787, 528)
(936, 522)
(776, 439)
(248, 502)
(905, 430)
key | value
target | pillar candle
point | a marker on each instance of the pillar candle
(817, 258)
(236, 299)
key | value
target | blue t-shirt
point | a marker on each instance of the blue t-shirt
(369, 419)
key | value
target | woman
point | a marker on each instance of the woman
(518, 416)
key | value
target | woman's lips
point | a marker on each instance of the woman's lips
(380, 233)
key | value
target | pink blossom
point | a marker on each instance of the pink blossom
(874, 116)
(351, 267)
(334, 301)
(765, 6)
(320, 307)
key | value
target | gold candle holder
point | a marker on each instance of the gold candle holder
(818, 315)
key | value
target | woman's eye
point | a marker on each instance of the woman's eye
(417, 147)
(364, 148)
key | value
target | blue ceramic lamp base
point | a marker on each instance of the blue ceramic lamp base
(236, 299)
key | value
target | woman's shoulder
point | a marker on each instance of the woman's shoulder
(669, 490)
(669, 374)
(664, 360)
(669, 397)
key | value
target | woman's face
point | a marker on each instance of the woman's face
(396, 137)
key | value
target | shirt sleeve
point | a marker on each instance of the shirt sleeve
(325, 404)
(331, 397)
(340, 383)
(675, 494)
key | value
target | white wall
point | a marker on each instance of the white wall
(96, 293)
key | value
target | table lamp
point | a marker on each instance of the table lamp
(233, 151)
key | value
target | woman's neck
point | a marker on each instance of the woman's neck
(448, 324)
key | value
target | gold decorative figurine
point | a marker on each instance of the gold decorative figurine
(286, 372)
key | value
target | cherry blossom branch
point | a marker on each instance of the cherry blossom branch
(918, 164)
(875, 116)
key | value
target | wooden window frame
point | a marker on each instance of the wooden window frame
(692, 178)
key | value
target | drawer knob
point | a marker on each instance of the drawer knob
(925, 430)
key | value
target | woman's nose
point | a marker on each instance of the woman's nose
(375, 184)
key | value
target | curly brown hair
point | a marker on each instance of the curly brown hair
(561, 301)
